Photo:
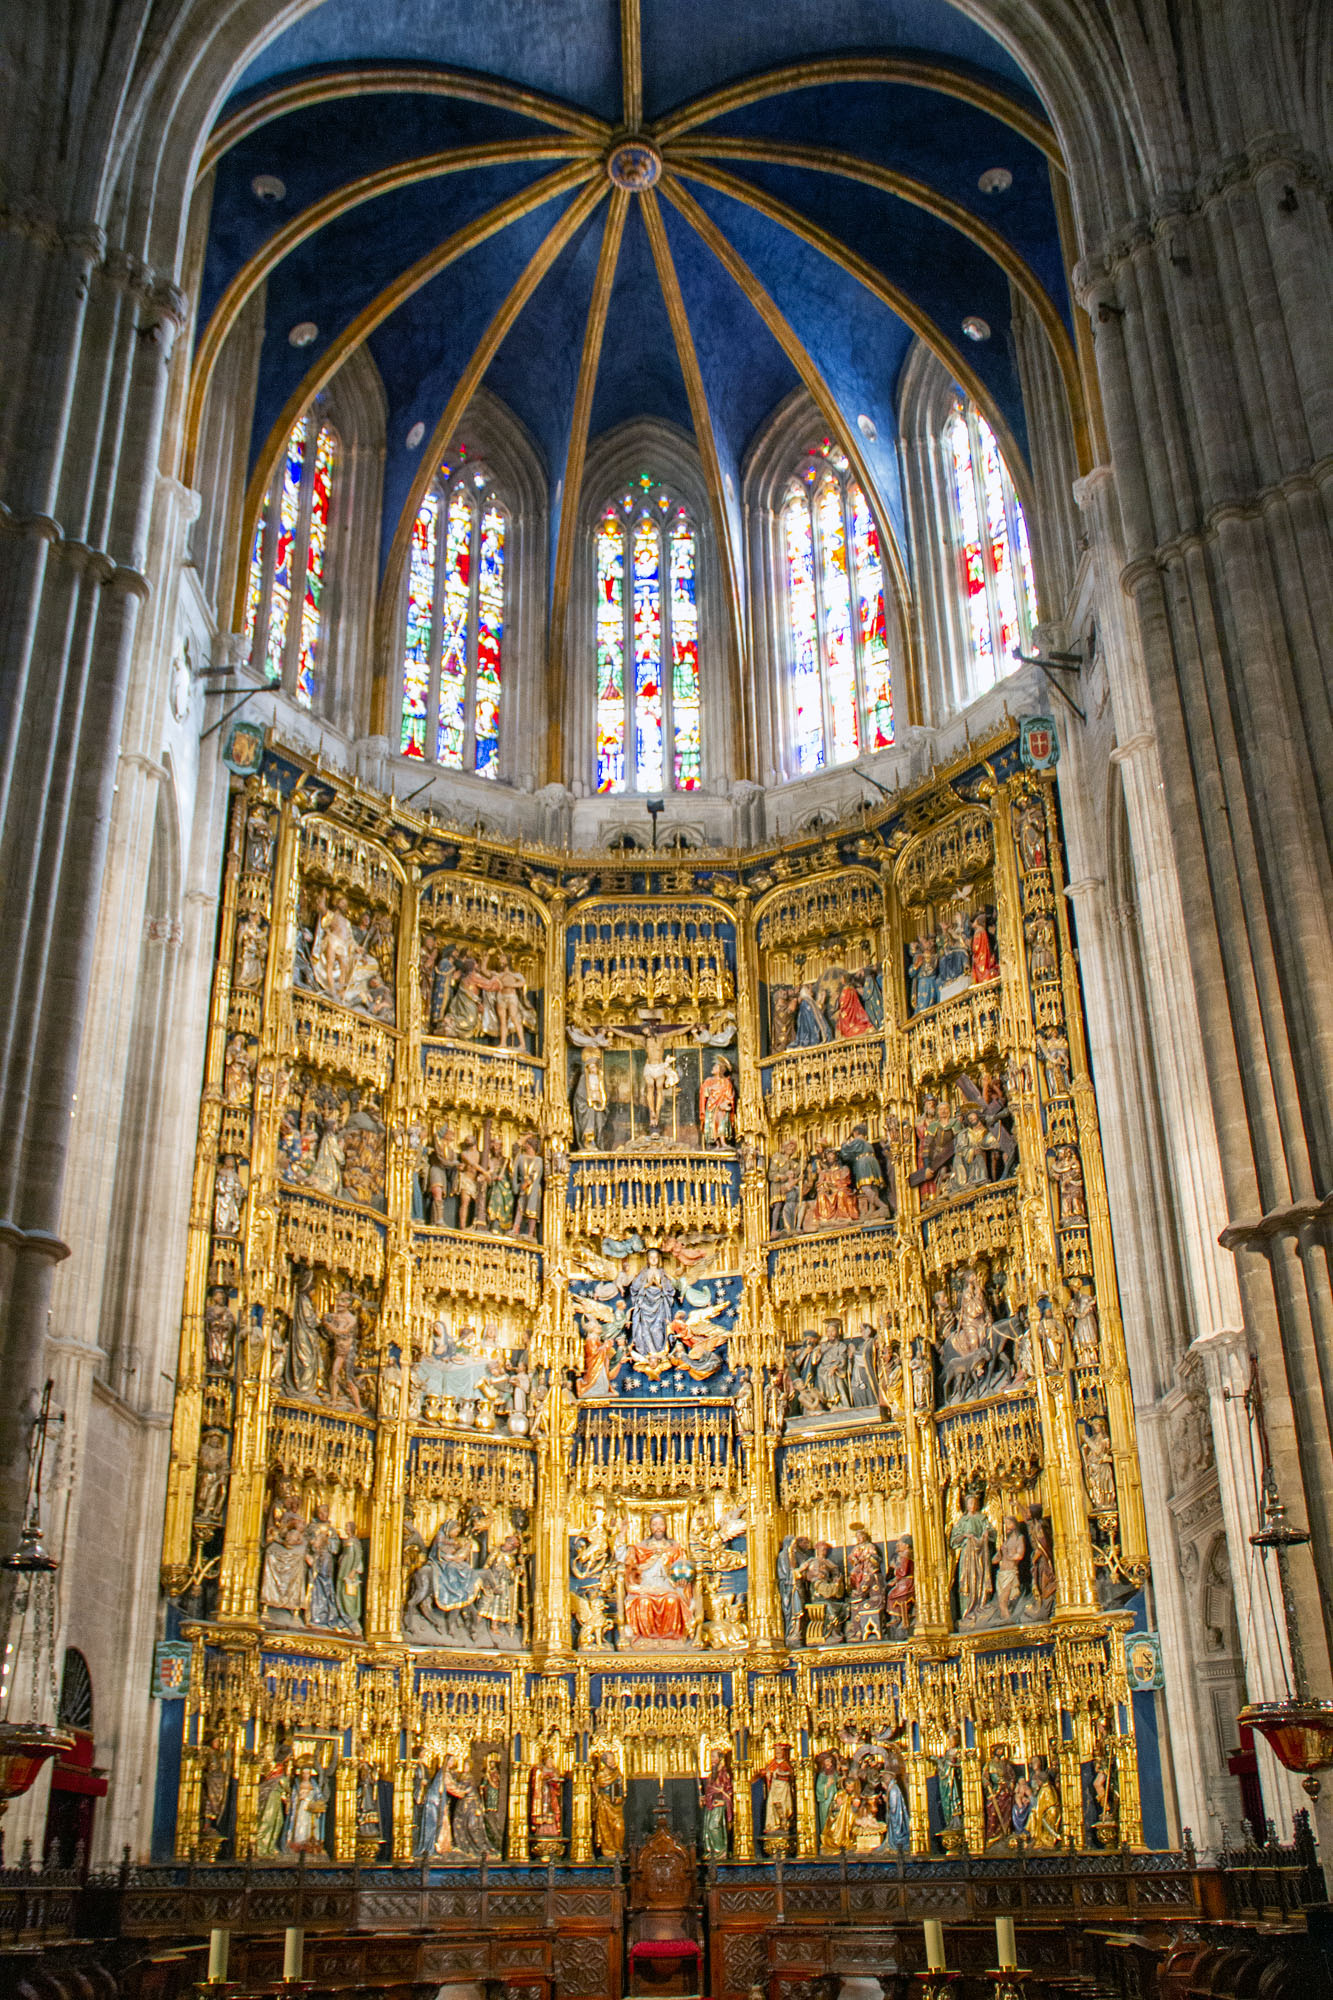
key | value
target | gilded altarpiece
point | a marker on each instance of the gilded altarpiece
(651, 1318)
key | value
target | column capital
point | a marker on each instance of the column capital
(1090, 487)
(1145, 739)
(1260, 1232)
(33, 1242)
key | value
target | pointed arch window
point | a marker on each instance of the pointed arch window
(840, 685)
(284, 606)
(646, 636)
(991, 541)
(453, 639)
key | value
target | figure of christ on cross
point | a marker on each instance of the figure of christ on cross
(661, 1078)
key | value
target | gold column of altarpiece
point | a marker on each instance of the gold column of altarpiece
(452, 1104)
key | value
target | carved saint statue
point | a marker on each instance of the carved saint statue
(1086, 1324)
(608, 1804)
(779, 1776)
(717, 1796)
(219, 1330)
(251, 946)
(228, 1197)
(652, 1304)
(210, 1492)
(275, 1791)
(717, 1105)
(659, 1587)
(970, 1537)
(283, 1578)
(546, 1799)
(529, 1172)
(949, 1776)
(1045, 1822)
(301, 1374)
(304, 1830)
(865, 1594)
(1098, 1466)
(1066, 1170)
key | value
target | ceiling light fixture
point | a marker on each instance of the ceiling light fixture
(976, 328)
(414, 436)
(303, 333)
(867, 427)
(996, 180)
(267, 187)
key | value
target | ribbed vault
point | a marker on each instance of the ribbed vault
(691, 263)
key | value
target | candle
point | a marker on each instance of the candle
(293, 1951)
(218, 1942)
(1005, 1950)
(934, 1931)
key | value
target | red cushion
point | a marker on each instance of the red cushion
(664, 1948)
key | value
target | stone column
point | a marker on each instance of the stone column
(1208, 314)
(1189, 1162)
(87, 405)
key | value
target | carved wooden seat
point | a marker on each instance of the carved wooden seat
(665, 1934)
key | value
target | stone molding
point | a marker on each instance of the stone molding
(1144, 740)
(1092, 274)
(96, 563)
(33, 1242)
(1292, 1220)
(88, 241)
(1306, 484)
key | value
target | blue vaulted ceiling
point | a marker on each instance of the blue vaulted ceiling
(467, 104)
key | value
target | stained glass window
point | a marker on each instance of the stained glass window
(289, 560)
(490, 636)
(803, 618)
(610, 656)
(321, 488)
(280, 590)
(840, 679)
(649, 725)
(876, 671)
(994, 557)
(684, 656)
(453, 634)
(647, 657)
(420, 625)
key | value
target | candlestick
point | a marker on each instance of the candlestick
(218, 1944)
(934, 1931)
(1007, 1981)
(1006, 1952)
(293, 1953)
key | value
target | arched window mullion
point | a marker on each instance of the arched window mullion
(300, 557)
(649, 705)
(861, 694)
(666, 674)
(488, 630)
(436, 623)
(612, 718)
(821, 626)
(805, 648)
(264, 546)
(470, 657)
(681, 643)
(983, 517)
